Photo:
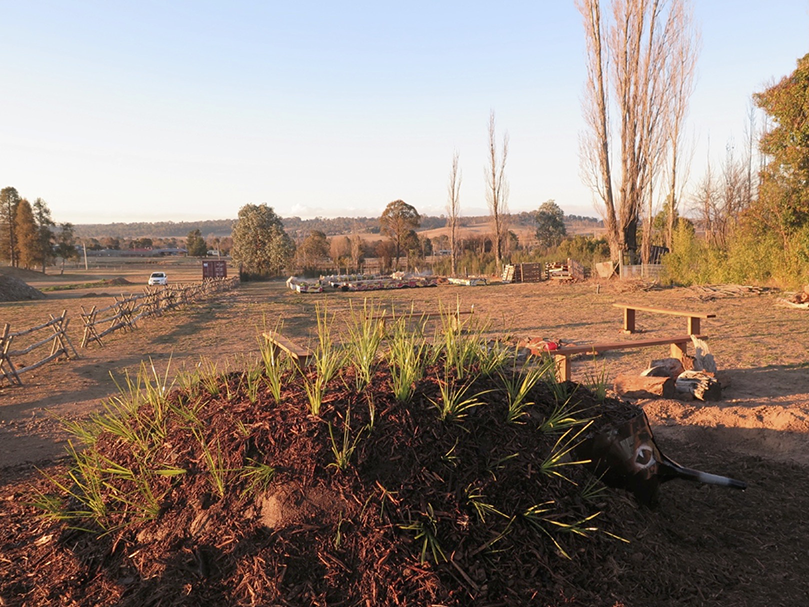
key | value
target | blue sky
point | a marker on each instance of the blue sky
(155, 110)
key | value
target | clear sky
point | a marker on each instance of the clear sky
(154, 110)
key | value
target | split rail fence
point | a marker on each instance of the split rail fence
(126, 311)
(98, 323)
(56, 336)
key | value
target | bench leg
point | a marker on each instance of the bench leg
(693, 325)
(678, 351)
(629, 320)
(562, 367)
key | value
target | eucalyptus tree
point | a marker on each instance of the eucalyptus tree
(261, 247)
(397, 221)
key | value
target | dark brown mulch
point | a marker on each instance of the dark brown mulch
(322, 536)
(14, 289)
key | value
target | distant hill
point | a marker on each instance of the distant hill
(297, 227)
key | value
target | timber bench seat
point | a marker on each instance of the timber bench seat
(562, 355)
(693, 317)
(299, 354)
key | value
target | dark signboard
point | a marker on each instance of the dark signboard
(217, 268)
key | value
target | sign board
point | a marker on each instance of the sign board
(217, 268)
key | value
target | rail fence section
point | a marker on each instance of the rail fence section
(122, 314)
(30, 340)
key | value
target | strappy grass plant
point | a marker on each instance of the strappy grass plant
(455, 403)
(274, 366)
(407, 357)
(560, 456)
(345, 449)
(475, 497)
(597, 380)
(257, 476)
(564, 415)
(518, 385)
(426, 530)
(459, 345)
(328, 359)
(209, 376)
(214, 461)
(365, 333)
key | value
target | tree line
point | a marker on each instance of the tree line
(29, 238)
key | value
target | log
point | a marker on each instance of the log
(703, 359)
(664, 367)
(639, 386)
(700, 385)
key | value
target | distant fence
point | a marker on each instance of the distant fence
(98, 322)
(56, 330)
(126, 311)
(650, 270)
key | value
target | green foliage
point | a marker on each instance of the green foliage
(397, 221)
(27, 236)
(66, 243)
(343, 451)
(550, 224)
(261, 247)
(365, 333)
(407, 354)
(426, 530)
(455, 403)
(9, 201)
(584, 249)
(519, 385)
(328, 359)
(195, 244)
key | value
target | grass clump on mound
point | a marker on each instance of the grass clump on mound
(414, 474)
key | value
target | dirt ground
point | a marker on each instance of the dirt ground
(733, 548)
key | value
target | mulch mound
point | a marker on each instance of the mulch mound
(427, 511)
(14, 289)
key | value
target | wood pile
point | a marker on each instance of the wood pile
(711, 292)
(525, 272)
(567, 271)
(668, 377)
(797, 300)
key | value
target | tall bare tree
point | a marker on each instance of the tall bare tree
(681, 81)
(454, 210)
(497, 191)
(633, 56)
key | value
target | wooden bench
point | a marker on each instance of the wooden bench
(693, 317)
(561, 356)
(299, 354)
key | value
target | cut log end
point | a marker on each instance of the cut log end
(640, 386)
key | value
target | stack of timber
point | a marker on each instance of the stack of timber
(525, 272)
(711, 292)
(669, 377)
(568, 271)
(796, 300)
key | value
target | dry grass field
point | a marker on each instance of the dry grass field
(719, 540)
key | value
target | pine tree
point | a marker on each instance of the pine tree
(42, 216)
(27, 235)
(9, 199)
